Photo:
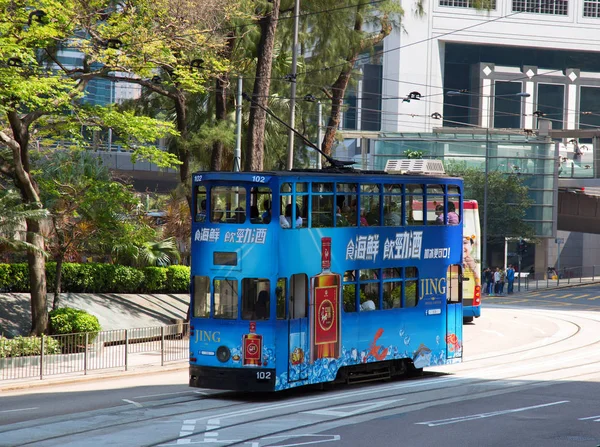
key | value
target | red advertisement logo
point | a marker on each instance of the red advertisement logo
(252, 349)
(326, 315)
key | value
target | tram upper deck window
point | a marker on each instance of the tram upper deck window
(454, 199)
(392, 205)
(256, 299)
(434, 209)
(225, 299)
(228, 204)
(323, 210)
(370, 206)
(260, 205)
(291, 216)
(200, 204)
(346, 205)
(201, 296)
(413, 204)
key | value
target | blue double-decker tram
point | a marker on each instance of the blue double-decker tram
(307, 277)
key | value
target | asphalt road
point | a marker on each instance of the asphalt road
(530, 377)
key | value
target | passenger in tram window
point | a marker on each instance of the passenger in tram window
(286, 221)
(390, 217)
(452, 216)
(202, 214)
(363, 219)
(340, 220)
(439, 215)
(373, 215)
(266, 215)
(240, 215)
(262, 305)
(254, 218)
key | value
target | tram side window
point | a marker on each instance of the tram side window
(200, 204)
(349, 291)
(413, 204)
(260, 205)
(227, 204)
(454, 200)
(346, 204)
(280, 294)
(436, 214)
(302, 194)
(392, 205)
(370, 206)
(411, 286)
(323, 211)
(225, 299)
(392, 288)
(201, 296)
(256, 299)
(369, 289)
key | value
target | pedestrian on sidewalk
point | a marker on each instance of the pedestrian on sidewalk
(497, 281)
(502, 280)
(487, 278)
(510, 277)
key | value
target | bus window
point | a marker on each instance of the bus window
(322, 205)
(201, 296)
(369, 203)
(280, 294)
(369, 289)
(256, 299)
(225, 299)
(260, 205)
(349, 291)
(345, 200)
(227, 203)
(392, 288)
(413, 201)
(435, 205)
(411, 287)
(200, 204)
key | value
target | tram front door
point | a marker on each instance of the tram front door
(298, 338)
(454, 312)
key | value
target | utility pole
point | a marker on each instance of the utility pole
(319, 131)
(290, 157)
(237, 154)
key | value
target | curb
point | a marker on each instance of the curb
(28, 383)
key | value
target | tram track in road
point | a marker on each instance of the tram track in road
(475, 381)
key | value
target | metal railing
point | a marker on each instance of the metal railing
(84, 352)
(557, 278)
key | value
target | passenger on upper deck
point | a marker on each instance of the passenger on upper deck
(266, 215)
(202, 214)
(286, 221)
(240, 215)
(254, 214)
(390, 217)
(452, 218)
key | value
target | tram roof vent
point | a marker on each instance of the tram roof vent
(415, 166)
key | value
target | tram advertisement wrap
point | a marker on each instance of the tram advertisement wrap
(252, 344)
(326, 314)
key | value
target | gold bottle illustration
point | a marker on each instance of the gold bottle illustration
(326, 310)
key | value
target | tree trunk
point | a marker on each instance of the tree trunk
(37, 278)
(58, 285)
(182, 153)
(341, 83)
(254, 155)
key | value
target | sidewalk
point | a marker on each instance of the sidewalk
(537, 285)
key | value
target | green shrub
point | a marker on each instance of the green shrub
(66, 320)
(127, 279)
(178, 279)
(19, 274)
(5, 278)
(27, 346)
(155, 279)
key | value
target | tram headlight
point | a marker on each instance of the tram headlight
(223, 353)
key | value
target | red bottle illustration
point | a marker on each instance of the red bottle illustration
(252, 347)
(326, 297)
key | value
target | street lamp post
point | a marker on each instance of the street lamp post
(487, 166)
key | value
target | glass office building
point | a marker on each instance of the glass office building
(534, 159)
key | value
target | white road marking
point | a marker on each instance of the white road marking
(493, 332)
(474, 417)
(18, 409)
(137, 404)
(167, 394)
(591, 417)
(358, 408)
(328, 438)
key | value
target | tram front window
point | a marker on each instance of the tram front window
(256, 299)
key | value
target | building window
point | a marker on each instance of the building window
(590, 8)
(482, 4)
(555, 7)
